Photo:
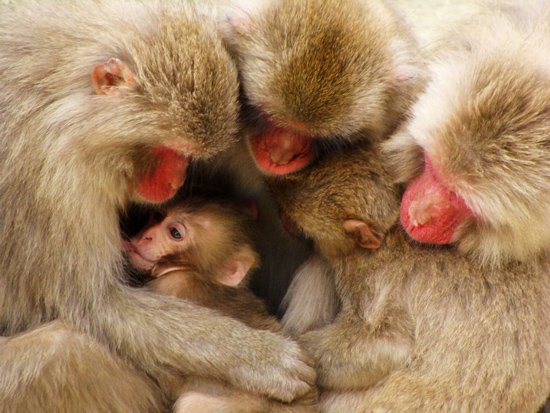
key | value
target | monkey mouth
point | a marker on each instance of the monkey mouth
(279, 151)
(135, 257)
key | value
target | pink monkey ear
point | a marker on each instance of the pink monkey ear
(237, 267)
(240, 14)
(405, 69)
(362, 233)
(108, 78)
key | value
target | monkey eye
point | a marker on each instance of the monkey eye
(158, 216)
(177, 231)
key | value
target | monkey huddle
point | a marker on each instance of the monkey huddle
(372, 124)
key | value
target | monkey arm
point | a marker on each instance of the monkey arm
(349, 355)
(153, 332)
(54, 369)
(207, 396)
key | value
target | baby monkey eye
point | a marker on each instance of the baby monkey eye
(176, 230)
(174, 233)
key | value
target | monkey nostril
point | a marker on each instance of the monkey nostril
(148, 238)
(421, 212)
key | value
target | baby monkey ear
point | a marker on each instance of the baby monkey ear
(236, 268)
(362, 233)
(110, 77)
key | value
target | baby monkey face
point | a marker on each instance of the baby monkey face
(168, 236)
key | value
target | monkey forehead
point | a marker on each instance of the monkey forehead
(484, 115)
(187, 81)
(321, 63)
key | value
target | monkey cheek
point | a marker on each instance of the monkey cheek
(280, 152)
(138, 262)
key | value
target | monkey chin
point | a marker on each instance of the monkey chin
(278, 151)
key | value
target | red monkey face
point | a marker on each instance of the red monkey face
(280, 151)
(482, 129)
(430, 211)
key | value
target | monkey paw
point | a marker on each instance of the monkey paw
(282, 370)
(336, 370)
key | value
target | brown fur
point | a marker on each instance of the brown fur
(50, 380)
(335, 66)
(70, 161)
(420, 329)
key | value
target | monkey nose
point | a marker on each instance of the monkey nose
(283, 153)
(422, 211)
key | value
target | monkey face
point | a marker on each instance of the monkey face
(168, 237)
(483, 130)
(314, 70)
(187, 101)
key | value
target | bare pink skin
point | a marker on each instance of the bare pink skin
(163, 182)
(280, 151)
(430, 211)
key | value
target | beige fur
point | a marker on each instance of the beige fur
(70, 160)
(310, 302)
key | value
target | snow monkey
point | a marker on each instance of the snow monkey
(314, 72)
(419, 328)
(478, 141)
(102, 103)
(203, 250)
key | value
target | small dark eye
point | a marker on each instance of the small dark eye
(175, 233)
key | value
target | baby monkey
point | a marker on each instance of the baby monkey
(203, 251)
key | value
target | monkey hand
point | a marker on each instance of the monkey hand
(162, 181)
(280, 369)
(328, 353)
(348, 357)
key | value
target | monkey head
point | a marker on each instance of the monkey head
(188, 102)
(204, 238)
(315, 72)
(345, 203)
(477, 155)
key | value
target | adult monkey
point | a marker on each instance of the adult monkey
(103, 103)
